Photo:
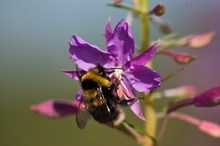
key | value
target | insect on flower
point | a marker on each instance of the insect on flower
(134, 74)
(100, 98)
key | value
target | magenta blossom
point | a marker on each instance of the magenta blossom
(120, 54)
(56, 108)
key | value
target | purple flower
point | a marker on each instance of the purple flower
(120, 54)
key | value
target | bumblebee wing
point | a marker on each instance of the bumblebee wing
(105, 108)
(82, 116)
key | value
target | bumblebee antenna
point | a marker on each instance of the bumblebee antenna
(116, 68)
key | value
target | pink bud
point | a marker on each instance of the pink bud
(188, 90)
(207, 127)
(56, 108)
(210, 128)
(208, 98)
(117, 1)
(198, 41)
(181, 58)
(182, 91)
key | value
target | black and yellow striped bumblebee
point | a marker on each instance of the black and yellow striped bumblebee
(100, 98)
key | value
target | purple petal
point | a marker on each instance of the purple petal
(121, 43)
(108, 29)
(70, 73)
(56, 108)
(143, 58)
(79, 96)
(86, 55)
(142, 78)
(135, 106)
(125, 84)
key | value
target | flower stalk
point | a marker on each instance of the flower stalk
(151, 122)
(145, 31)
(150, 114)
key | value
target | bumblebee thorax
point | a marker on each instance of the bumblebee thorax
(93, 80)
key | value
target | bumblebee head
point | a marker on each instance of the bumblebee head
(101, 71)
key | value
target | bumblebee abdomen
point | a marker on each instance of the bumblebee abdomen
(106, 114)
(89, 93)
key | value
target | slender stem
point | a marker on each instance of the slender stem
(126, 8)
(179, 104)
(151, 120)
(150, 115)
(145, 32)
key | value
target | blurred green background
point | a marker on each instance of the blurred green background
(34, 39)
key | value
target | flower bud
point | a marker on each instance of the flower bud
(158, 10)
(56, 108)
(207, 127)
(185, 91)
(198, 41)
(210, 128)
(181, 58)
(208, 98)
(117, 1)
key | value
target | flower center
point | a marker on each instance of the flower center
(118, 72)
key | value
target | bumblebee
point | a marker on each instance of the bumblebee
(100, 98)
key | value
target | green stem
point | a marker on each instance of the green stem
(150, 114)
(145, 32)
(151, 120)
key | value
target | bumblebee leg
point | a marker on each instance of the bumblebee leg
(113, 87)
(125, 102)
